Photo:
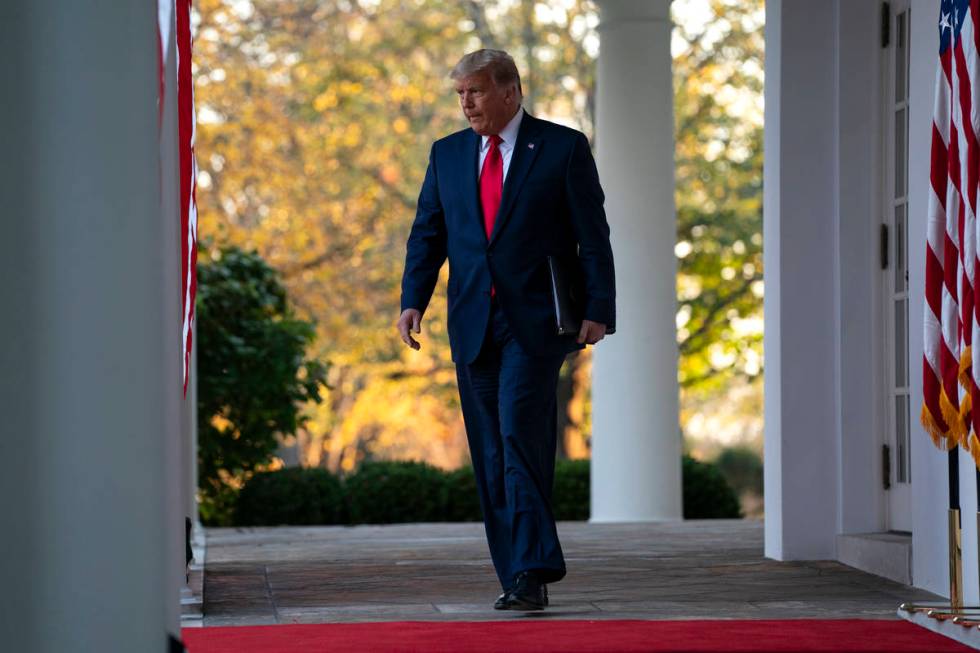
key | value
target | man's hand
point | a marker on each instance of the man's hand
(591, 332)
(410, 320)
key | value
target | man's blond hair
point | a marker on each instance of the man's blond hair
(499, 65)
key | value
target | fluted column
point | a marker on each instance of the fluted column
(636, 442)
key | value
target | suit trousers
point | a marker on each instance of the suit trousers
(509, 403)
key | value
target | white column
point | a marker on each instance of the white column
(802, 305)
(636, 441)
(86, 332)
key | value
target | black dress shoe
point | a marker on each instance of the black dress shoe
(529, 593)
(501, 602)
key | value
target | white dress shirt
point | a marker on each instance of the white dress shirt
(508, 136)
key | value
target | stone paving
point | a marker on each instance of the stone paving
(442, 572)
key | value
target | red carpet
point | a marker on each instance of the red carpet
(540, 635)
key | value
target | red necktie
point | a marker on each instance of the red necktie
(491, 187)
(491, 184)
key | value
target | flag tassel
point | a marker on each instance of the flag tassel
(966, 363)
(932, 427)
(975, 449)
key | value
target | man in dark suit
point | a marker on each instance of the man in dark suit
(498, 199)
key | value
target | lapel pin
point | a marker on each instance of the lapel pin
(530, 146)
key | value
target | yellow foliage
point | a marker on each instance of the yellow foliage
(220, 423)
(326, 100)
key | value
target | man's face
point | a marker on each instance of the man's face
(488, 107)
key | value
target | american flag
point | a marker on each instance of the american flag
(950, 386)
(188, 180)
(188, 164)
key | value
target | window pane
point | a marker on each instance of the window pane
(900, 132)
(901, 343)
(901, 59)
(902, 438)
(901, 260)
(907, 48)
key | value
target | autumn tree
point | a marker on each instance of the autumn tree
(315, 120)
(718, 115)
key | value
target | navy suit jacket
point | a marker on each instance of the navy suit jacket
(551, 205)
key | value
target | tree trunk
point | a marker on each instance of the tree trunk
(566, 392)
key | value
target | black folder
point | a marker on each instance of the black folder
(566, 291)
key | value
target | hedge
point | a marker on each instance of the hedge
(293, 495)
(391, 492)
(460, 498)
(570, 495)
(386, 492)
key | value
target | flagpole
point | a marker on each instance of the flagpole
(955, 533)
(967, 616)
(970, 617)
(946, 328)
(955, 609)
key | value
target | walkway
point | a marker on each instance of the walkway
(693, 569)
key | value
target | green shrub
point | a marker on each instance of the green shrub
(391, 492)
(570, 496)
(707, 495)
(294, 496)
(460, 499)
(253, 373)
(742, 468)
(387, 492)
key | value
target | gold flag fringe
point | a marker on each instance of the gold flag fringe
(932, 428)
(966, 362)
(967, 437)
(974, 448)
(949, 440)
(958, 431)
